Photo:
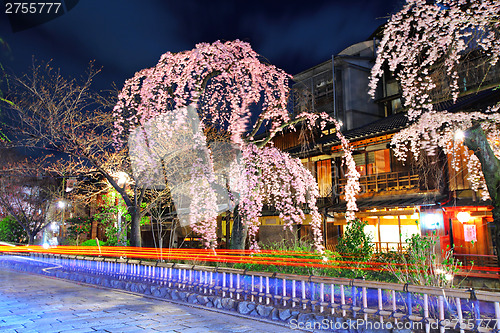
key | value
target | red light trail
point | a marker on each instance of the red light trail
(262, 257)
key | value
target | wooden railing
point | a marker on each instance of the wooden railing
(481, 260)
(390, 246)
(380, 247)
(415, 308)
(391, 181)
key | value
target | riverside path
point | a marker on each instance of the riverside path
(34, 303)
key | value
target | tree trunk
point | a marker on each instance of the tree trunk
(239, 232)
(135, 227)
(31, 238)
(476, 140)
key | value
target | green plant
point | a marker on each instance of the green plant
(355, 244)
(113, 235)
(424, 263)
(70, 241)
(11, 231)
(381, 273)
(356, 249)
(79, 226)
(90, 242)
(286, 252)
(112, 207)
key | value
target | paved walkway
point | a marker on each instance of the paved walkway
(32, 303)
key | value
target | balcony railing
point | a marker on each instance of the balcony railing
(481, 260)
(391, 181)
(390, 246)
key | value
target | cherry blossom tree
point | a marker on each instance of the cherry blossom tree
(433, 48)
(231, 88)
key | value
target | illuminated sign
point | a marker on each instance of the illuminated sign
(470, 233)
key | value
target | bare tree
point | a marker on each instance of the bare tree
(27, 195)
(67, 119)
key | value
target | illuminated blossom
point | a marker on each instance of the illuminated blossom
(426, 44)
(222, 81)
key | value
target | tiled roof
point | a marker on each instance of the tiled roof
(459, 202)
(408, 201)
(395, 123)
(386, 125)
(473, 100)
(390, 202)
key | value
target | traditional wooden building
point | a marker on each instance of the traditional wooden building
(397, 199)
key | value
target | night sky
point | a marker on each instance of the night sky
(124, 36)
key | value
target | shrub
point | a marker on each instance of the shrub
(11, 231)
(355, 244)
(90, 242)
(423, 263)
(286, 252)
(78, 227)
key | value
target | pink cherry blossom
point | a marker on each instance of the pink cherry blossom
(224, 82)
(425, 46)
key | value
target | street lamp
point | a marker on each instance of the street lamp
(459, 135)
(122, 179)
(62, 205)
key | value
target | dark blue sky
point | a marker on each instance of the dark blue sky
(124, 36)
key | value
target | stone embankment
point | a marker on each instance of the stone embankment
(296, 318)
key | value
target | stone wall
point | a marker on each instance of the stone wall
(295, 318)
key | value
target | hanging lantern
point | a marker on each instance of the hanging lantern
(463, 217)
